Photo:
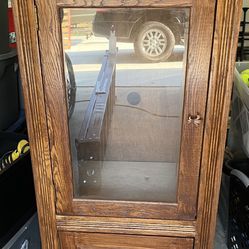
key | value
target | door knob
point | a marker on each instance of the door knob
(195, 119)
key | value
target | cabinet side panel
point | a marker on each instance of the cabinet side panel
(29, 61)
(223, 58)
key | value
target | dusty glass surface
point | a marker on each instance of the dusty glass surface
(125, 75)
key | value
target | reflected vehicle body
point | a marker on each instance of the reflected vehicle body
(154, 32)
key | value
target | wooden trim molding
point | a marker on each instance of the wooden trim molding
(52, 64)
(222, 68)
(115, 3)
(72, 240)
(126, 226)
(29, 61)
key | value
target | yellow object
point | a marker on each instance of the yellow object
(245, 79)
(23, 146)
(245, 71)
(245, 76)
(14, 155)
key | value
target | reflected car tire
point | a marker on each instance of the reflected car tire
(155, 42)
(71, 85)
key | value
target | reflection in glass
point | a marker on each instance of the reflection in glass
(125, 107)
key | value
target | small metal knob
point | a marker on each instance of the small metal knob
(195, 119)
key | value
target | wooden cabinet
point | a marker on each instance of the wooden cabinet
(127, 142)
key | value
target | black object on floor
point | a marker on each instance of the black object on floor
(238, 227)
(17, 196)
(9, 91)
(4, 33)
(27, 237)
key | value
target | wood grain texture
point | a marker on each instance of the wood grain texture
(50, 42)
(127, 226)
(102, 208)
(29, 62)
(221, 78)
(196, 89)
(72, 240)
(120, 3)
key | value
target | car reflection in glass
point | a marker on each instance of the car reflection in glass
(154, 32)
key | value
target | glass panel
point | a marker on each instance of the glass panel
(125, 74)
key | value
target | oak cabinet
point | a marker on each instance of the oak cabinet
(127, 103)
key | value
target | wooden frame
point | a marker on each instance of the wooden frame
(198, 58)
(29, 60)
(40, 122)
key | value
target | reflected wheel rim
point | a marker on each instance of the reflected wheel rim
(154, 42)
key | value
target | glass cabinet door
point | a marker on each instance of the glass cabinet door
(125, 80)
(126, 94)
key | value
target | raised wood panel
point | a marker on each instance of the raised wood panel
(224, 52)
(120, 3)
(124, 209)
(126, 226)
(114, 241)
(30, 69)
